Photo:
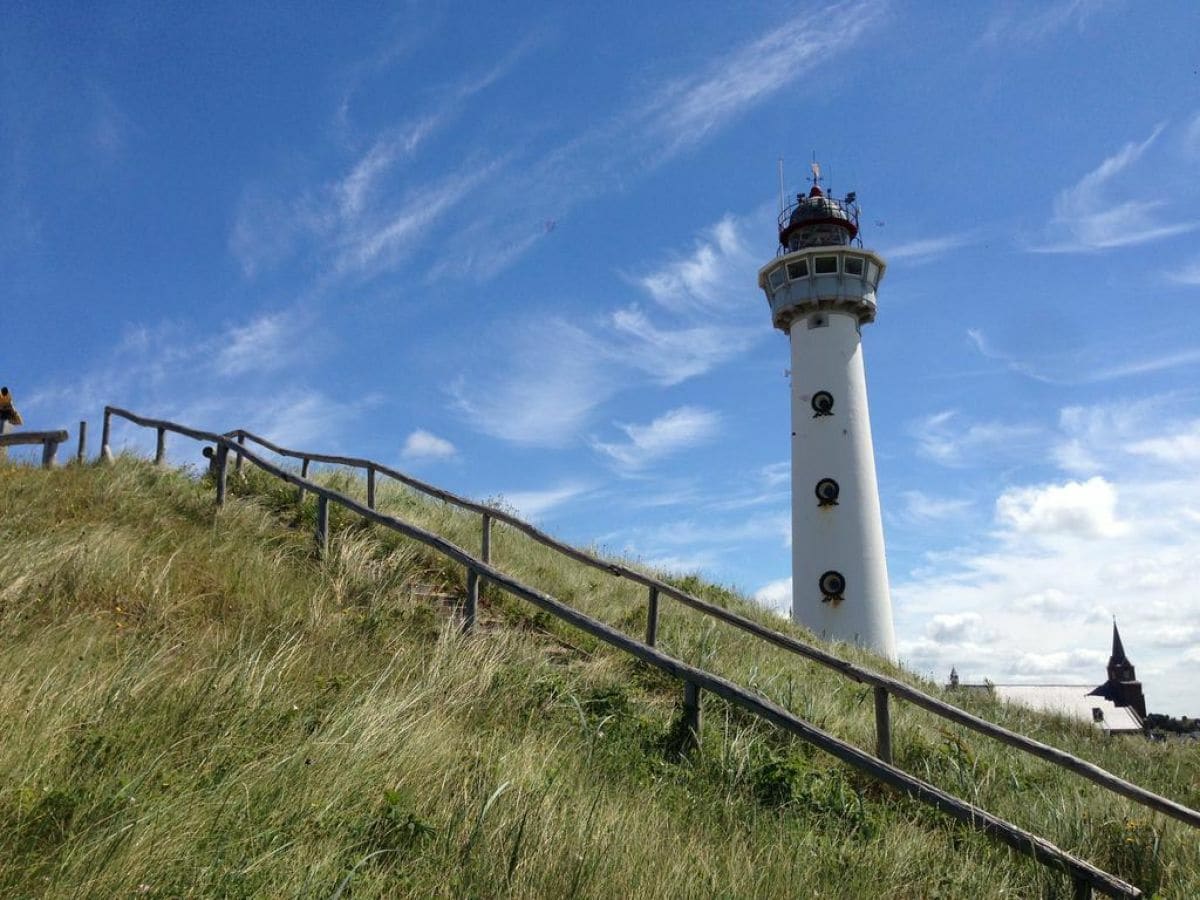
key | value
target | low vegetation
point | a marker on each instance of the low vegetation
(194, 704)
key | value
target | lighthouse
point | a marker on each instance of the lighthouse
(821, 289)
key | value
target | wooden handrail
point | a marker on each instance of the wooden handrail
(1084, 875)
(48, 439)
(897, 688)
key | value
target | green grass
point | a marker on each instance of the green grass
(193, 704)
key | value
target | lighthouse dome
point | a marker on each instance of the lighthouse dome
(817, 220)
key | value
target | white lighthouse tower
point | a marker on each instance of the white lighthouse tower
(821, 287)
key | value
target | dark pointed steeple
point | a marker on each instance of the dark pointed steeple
(1119, 666)
(1118, 651)
(1122, 687)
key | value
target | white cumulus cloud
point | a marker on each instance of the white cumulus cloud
(1065, 557)
(421, 445)
(954, 628)
(776, 595)
(1181, 448)
(1086, 509)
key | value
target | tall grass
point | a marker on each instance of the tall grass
(194, 704)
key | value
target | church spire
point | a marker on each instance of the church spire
(1119, 666)
(1122, 687)
(1118, 650)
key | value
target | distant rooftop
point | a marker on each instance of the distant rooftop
(1072, 700)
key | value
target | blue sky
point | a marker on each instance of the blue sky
(513, 249)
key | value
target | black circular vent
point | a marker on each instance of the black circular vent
(832, 584)
(822, 404)
(827, 491)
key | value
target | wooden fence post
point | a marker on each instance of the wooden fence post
(160, 449)
(322, 524)
(485, 552)
(105, 449)
(81, 456)
(883, 725)
(49, 451)
(222, 461)
(241, 439)
(1082, 890)
(691, 716)
(472, 608)
(371, 487)
(652, 617)
(303, 474)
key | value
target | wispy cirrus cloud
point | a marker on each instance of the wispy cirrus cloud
(925, 250)
(1188, 273)
(1093, 215)
(266, 343)
(357, 190)
(539, 503)
(448, 99)
(1090, 438)
(1072, 369)
(711, 276)
(244, 375)
(947, 439)
(690, 108)
(377, 242)
(546, 390)
(543, 390)
(111, 126)
(1189, 142)
(691, 545)
(1159, 363)
(369, 218)
(923, 508)
(672, 355)
(1012, 363)
(1032, 22)
(670, 433)
(665, 120)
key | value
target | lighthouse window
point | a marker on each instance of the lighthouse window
(853, 265)
(798, 269)
(825, 265)
(872, 272)
(777, 278)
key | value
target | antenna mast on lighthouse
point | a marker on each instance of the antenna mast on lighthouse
(821, 290)
(782, 202)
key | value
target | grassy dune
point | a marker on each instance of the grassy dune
(193, 704)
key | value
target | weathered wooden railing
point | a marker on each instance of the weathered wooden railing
(1085, 877)
(884, 686)
(48, 439)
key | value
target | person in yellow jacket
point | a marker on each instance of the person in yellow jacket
(8, 412)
